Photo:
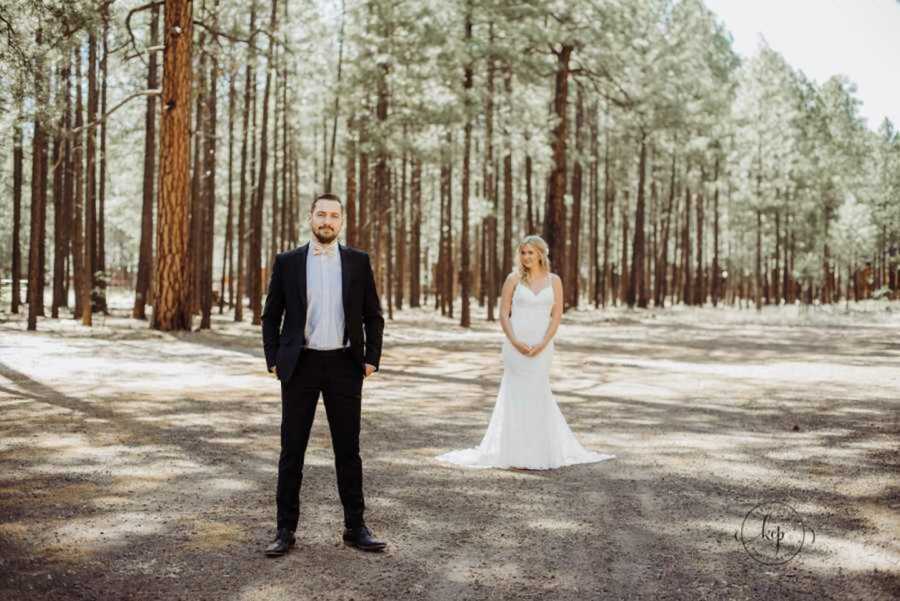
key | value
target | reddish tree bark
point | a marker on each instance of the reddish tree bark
(465, 317)
(716, 280)
(18, 163)
(257, 218)
(90, 218)
(507, 186)
(415, 269)
(637, 292)
(209, 187)
(571, 291)
(79, 271)
(228, 250)
(352, 232)
(100, 250)
(555, 215)
(171, 310)
(38, 202)
(145, 259)
(246, 134)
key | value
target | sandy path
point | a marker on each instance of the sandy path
(138, 465)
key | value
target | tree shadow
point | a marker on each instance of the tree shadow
(174, 498)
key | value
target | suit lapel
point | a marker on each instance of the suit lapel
(301, 274)
(345, 278)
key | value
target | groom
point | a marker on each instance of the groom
(329, 341)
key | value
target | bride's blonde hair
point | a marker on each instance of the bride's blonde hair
(543, 253)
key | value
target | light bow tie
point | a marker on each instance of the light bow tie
(319, 249)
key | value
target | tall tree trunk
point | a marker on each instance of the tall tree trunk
(662, 262)
(652, 251)
(228, 251)
(594, 191)
(276, 209)
(507, 184)
(415, 270)
(447, 271)
(145, 260)
(400, 235)
(389, 219)
(609, 198)
(38, 201)
(483, 238)
(758, 274)
(699, 296)
(285, 149)
(381, 200)
(295, 192)
(490, 233)
(448, 256)
(777, 271)
(171, 309)
(249, 92)
(572, 288)
(90, 219)
(529, 198)
(826, 260)
(352, 224)
(198, 180)
(439, 281)
(337, 101)
(79, 268)
(786, 281)
(716, 279)
(686, 296)
(18, 162)
(209, 184)
(257, 218)
(65, 243)
(102, 280)
(637, 293)
(58, 201)
(252, 274)
(465, 318)
(625, 272)
(555, 215)
(363, 227)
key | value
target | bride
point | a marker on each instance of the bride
(527, 429)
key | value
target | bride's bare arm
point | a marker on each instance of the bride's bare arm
(505, 307)
(555, 315)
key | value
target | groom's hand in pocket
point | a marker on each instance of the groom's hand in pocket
(370, 369)
(274, 371)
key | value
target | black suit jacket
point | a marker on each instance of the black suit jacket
(363, 322)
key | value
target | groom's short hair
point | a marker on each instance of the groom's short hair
(326, 196)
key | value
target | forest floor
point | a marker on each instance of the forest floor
(141, 465)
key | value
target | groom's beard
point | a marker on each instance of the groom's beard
(325, 237)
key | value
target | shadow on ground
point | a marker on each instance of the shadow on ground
(143, 467)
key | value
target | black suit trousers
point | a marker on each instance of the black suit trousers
(339, 378)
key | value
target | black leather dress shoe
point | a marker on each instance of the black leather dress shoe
(362, 538)
(283, 542)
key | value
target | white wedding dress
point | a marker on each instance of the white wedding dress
(527, 429)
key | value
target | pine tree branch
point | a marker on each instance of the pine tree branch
(249, 40)
(71, 132)
(625, 101)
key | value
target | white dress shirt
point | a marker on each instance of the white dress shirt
(324, 299)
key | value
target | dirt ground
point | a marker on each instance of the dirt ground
(142, 465)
